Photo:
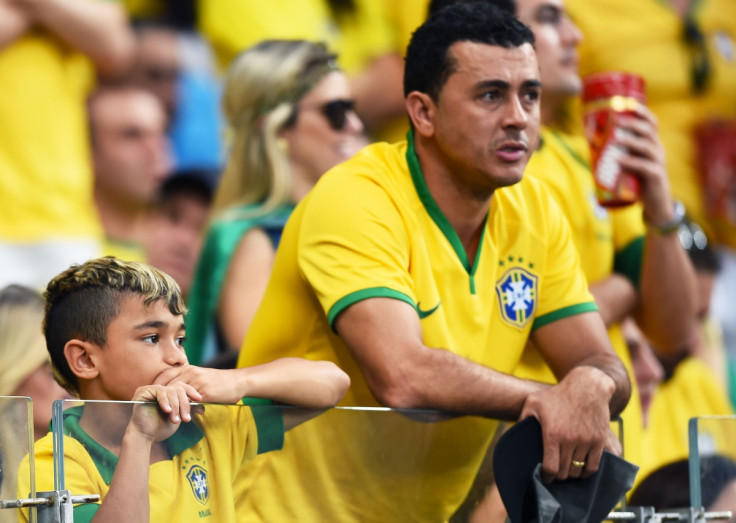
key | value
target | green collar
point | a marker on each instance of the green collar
(436, 213)
(185, 437)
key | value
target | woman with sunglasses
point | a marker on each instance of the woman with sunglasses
(291, 115)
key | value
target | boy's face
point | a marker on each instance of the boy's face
(141, 343)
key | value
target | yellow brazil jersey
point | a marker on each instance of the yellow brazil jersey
(198, 483)
(46, 181)
(371, 228)
(606, 240)
(646, 37)
(234, 25)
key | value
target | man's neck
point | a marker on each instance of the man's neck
(552, 111)
(121, 221)
(465, 210)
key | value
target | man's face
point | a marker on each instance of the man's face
(130, 149)
(142, 342)
(486, 118)
(556, 40)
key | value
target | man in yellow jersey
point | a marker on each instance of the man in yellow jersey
(423, 268)
(632, 268)
(50, 54)
(130, 154)
(686, 52)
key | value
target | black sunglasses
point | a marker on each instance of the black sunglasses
(336, 112)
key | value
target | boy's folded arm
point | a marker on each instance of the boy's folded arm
(128, 498)
(293, 381)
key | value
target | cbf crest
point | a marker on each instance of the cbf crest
(197, 477)
(517, 292)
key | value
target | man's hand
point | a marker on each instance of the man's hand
(157, 424)
(575, 421)
(646, 159)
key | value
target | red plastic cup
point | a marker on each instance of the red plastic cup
(606, 97)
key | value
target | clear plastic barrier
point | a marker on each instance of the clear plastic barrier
(712, 463)
(16, 441)
(344, 464)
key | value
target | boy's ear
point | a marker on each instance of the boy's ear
(78, 356)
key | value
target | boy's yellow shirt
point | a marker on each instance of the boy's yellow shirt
(200, 481)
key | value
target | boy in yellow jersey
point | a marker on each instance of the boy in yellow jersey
(115, 332)
(423, 268)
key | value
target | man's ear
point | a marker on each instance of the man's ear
(79, 357)
(422, 110)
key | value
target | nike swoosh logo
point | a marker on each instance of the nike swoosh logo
(425, 313)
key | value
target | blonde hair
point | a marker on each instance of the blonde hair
(262, 88)
(22, 345)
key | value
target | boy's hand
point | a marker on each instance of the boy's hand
(157, 424)
(212, 385)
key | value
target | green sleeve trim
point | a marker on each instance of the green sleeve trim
(565, 312)
(354, 297)
(269, 424)
(628, 261)
(84, 513)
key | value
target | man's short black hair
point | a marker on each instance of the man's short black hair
(428, 64)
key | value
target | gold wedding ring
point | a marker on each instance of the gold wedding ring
(579, 464)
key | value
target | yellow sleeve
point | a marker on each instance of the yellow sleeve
(353, 245)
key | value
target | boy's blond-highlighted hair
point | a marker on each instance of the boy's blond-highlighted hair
(262, 89)
(81, 302)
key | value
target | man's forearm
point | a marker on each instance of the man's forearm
(612, 367)
(97, 29)
(666, 308)
(615, 297)
(439, 379)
